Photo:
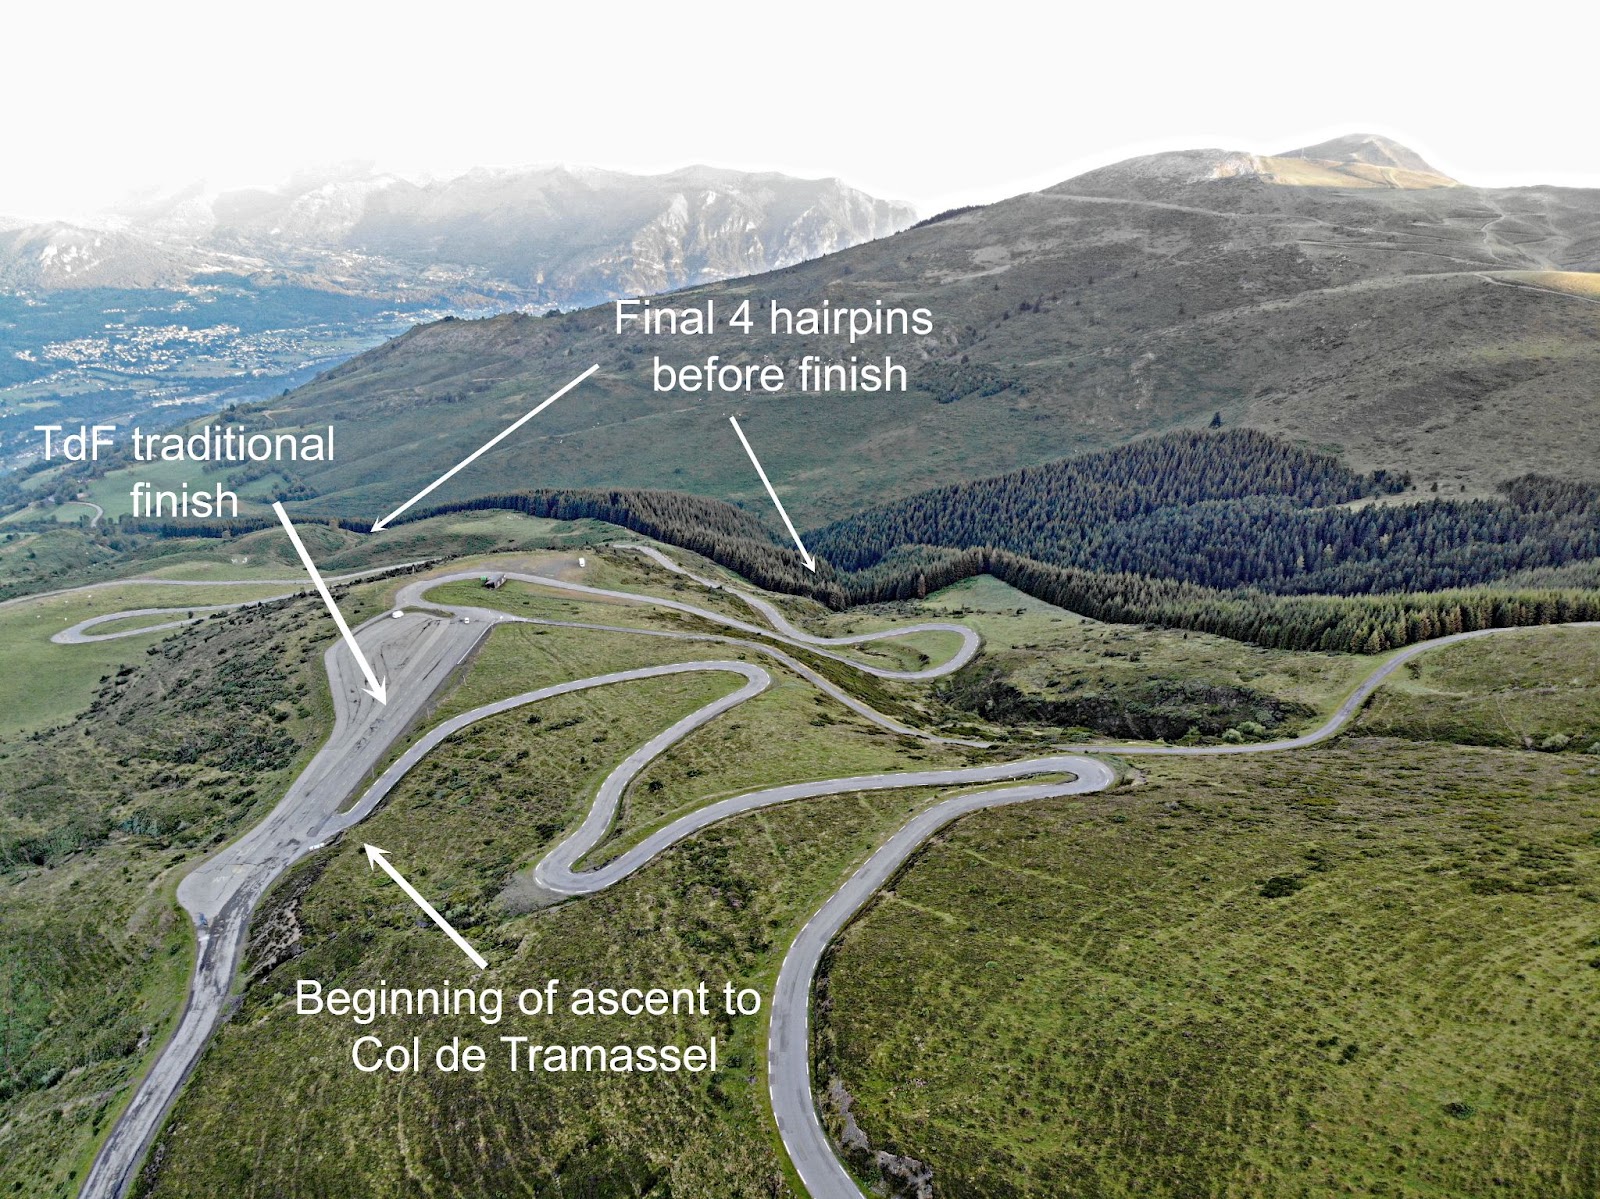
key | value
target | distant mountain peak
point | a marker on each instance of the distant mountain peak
(1356, 159)
(1371, 149)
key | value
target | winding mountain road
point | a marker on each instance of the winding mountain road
(417, 654)
(79, 634)
(420, 650)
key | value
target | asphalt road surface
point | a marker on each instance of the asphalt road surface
(417, 654)
(783, 630)
(79, 633)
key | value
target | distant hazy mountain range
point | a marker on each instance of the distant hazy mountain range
(553, 235)
(203, 297)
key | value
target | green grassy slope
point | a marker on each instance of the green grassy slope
(52, 559)
(722, 906)
(1063, 991)
(186, 745)
(46, 683)
(1115, 997)
(1190, 991)
(1534, 690)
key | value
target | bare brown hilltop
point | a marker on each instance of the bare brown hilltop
(1369, 149)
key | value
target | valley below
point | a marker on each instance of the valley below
(201, 300)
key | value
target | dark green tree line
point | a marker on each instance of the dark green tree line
(1234, 509)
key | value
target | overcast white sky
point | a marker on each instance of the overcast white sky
(939, 105)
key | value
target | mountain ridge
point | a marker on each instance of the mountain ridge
(1444, 332)
(203, 299)
(530, 236)
(1362, 160)
(1371, 149)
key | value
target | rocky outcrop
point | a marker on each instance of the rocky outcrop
(897, 1177)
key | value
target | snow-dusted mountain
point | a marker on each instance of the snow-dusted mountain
(529, 237)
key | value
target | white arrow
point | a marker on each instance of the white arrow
(486, 446)
(378, 691)
(811, 563)
(375, 858)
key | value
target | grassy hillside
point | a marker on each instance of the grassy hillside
(1366, 969)
(1358, 969)
(101, 825)
(1535, 690)
(48, 683)
(55, 558)
(185, 744)
(486, 804)
(1407, 330)
(978, 942)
